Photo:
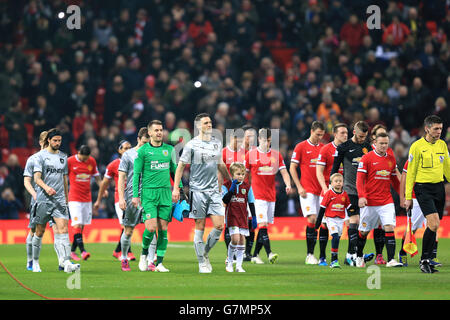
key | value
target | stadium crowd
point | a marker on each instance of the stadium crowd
(281, 64)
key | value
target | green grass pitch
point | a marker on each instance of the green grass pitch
(288, 279)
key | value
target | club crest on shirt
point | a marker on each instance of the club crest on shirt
(61, 160)
(343, 198)
(364, 150)
(89, 167)
(165, 153)
(243, 191)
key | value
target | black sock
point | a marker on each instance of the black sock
(259, 243)
(265, 240)
(360, 243)
(119, 246)
(79, 239)
(323, 240)
(434, 253)
(74, 243)
(378, 239)
(390, 245)
(249, 243)
(428, 242)
(334, 246)
(227, 237)
(311, 238)
(349, 242)
(353, 237)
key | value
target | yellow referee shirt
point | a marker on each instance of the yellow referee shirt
(428, 163)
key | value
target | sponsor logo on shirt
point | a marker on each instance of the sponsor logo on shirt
(159, 166)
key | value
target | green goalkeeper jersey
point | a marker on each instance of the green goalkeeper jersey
(153, 166)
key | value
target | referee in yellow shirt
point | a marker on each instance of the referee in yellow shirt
(428, 163)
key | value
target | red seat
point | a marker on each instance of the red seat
(30, 132)
(22, 154)
(431, 26)
(4, 137)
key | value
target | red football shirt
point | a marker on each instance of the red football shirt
(335, 203)
(112, 172)
(263, 167)
(229, 156)
(80, 174)
(326, 159)
(405, 170)
(305, 155)
(374, 178)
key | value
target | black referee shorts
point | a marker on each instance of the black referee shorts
(431, 197)
(354, 201)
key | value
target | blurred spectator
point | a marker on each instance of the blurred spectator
(353, 32)
(15, 124)
(398, 30)
(324, 109)
(15, 173)
(9, 205)
(41, 116)
(115, 99)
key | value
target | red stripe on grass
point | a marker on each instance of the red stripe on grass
(35, 292)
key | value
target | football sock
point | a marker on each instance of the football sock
(259, 243)
(119, 246)
(323, 240)
(349, 243)
(334, 246)
(161, 246)
(125, 242)
(239, 252)
(199, 246)
(352, 237)
(378, 239)
(360, 243)
(227, 237)
(147, 238)
(212, 239)
(36, 243)
(249, 243)
(434, 253)
(29, 246)
(79, 240)
(428, 242)
(151, 248)
(390, 245)
(266, 240)
(231, 252)
(311, 238)
(62, 246)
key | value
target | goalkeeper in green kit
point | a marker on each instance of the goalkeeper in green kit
(152, 168)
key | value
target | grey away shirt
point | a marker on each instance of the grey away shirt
(126, 165)
(53, 168)
(203, 156)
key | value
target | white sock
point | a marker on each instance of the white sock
(62, 247)
(199, 246)
(125, 242)
(152, 248)
(29, 246)
(239, 255)
(213, 237)
(37, 242)
(231, 252)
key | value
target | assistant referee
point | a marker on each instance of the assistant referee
(428, 163)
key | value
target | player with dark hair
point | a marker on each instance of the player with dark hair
(203, 155)
(112, 172)
(50, 175)
(305, 157)
(349, 154)
(429, 162)
(324, 165)
(262, 164)
(81, 168)
(153, 165)
(131, 214)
